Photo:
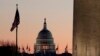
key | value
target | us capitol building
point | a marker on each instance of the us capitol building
(44, 43)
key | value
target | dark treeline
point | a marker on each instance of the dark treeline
(9, 49)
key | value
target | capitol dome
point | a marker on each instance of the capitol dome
(44, 41)
(44, 33)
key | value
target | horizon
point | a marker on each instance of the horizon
(59, 15)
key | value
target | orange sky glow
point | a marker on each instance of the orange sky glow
(59, 15)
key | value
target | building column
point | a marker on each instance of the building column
(86, 28)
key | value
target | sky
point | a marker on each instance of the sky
(59, 15)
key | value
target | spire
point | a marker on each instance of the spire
(45, 25)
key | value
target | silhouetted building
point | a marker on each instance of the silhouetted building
(44, 45)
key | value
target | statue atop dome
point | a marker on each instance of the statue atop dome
(45, 24)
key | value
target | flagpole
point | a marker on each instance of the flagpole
(16, 40)
(15, 25)
(16, 35)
